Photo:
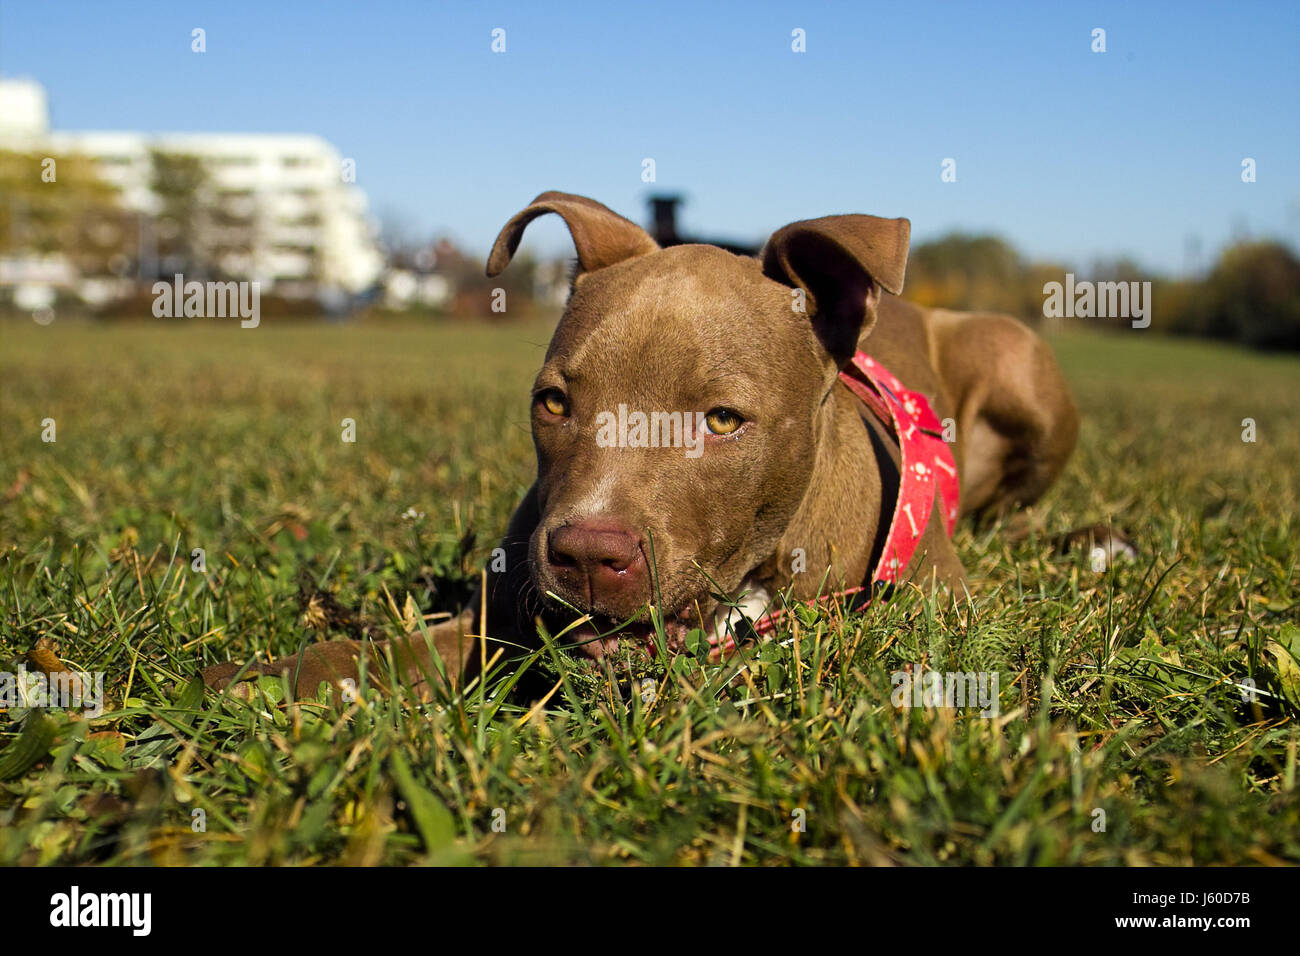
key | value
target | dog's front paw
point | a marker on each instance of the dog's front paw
(333, 662)
(220, 676)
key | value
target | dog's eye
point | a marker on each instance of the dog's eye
(553, 400)
(723, 421)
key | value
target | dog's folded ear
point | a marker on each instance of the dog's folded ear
(841, 263)
(601, 236)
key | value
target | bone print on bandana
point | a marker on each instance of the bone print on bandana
(927, 465)
(927, 461)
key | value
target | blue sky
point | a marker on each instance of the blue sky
(1070, 154)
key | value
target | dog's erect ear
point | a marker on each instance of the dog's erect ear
(841, 263)
(601, 236)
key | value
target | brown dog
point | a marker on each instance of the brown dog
(778, 479)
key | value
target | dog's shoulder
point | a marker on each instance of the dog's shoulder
(902, 340)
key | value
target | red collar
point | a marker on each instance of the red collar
(927, 465)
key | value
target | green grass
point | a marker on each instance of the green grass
(1119, 691)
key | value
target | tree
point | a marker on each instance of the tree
(180, 182)
(966, 272)
(60, 205)
(1253, 295)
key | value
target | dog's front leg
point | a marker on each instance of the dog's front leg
(338, 663)
(461, 644)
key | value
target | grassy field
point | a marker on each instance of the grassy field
(1124, 734)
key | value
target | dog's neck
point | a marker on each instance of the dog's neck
(843, 503)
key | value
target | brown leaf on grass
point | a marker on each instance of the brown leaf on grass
(44, 659)
(322, 611)
(104, 806)
(126, 544)
(108, 739)
(1285, 652)
(411, 615)
(19, 485)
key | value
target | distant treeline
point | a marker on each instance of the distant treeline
(78, 236)
(1251, 295)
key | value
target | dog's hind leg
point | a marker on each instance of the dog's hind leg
(1016, 421)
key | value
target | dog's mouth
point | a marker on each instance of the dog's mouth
(598, 635)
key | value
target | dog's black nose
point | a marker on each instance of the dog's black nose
(606, 554)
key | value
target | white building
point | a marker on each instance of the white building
(285, 210)
(24, 115)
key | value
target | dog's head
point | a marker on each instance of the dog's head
(678, 415)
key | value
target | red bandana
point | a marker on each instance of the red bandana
(927, 465)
